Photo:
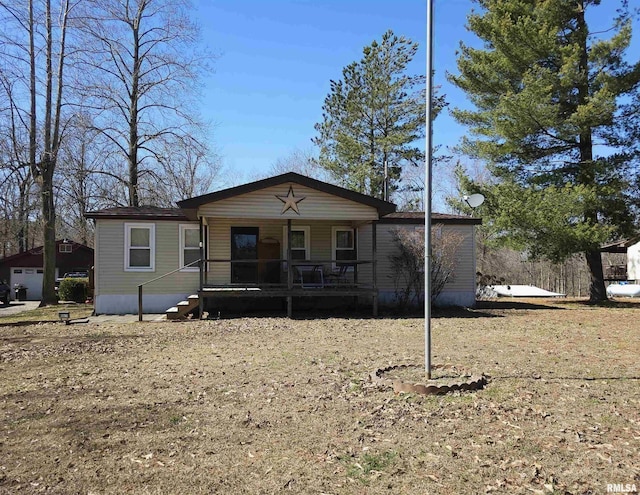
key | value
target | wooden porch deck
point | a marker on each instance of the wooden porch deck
(263, 291)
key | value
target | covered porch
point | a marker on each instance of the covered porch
(262, 258)
(288, 237)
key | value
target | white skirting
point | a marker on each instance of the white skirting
(124, 304)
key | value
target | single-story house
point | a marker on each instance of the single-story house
(284, 238)
(27, 268)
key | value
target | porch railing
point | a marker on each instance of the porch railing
(330, 268)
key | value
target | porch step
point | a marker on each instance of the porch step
(182, 308)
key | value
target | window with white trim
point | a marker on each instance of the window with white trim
(300, 243)
(139, 247)
(189, 246)
(343, 241)
(65, 248)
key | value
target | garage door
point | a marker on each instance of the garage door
(31, 278)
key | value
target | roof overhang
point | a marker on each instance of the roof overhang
(141, 213)
(417, 218)
(620, 246)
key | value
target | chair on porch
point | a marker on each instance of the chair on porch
(338, 277)
(310, 276)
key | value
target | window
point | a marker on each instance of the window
(139, 249)
(300, 238)
(65, 248)
(343, 244)
(189, 246)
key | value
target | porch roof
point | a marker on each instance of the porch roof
(383, 207)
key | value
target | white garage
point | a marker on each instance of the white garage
(29, 277)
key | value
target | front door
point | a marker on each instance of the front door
(244, 246)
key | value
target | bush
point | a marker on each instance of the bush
(408, 260)
(74, 289)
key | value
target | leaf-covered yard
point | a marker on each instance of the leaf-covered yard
(269, 405)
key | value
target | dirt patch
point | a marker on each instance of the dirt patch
(264, 405)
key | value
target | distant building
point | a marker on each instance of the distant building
(27, 269)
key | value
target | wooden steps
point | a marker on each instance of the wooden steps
(181, 309)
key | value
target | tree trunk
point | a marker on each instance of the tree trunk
(23, 217)
(597, 291)
(586, 176)
(134, 195)
(49, 224)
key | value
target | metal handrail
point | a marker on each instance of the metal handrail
(159, 278)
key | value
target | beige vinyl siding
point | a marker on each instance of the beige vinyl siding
(364, 243)
(220, 240)
(465, 273)
(111, 275)
(464, 279)
(316, 205)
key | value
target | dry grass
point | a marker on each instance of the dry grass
(272, 405)
(48, 313)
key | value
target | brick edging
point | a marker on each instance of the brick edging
(472, 383)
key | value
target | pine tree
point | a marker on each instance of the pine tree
(551, 121)
(374, 115)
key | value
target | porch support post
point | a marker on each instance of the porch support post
(289, 272)
(374, 260)
(139, 302)
(201, 266)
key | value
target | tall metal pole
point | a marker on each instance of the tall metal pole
(427, 194)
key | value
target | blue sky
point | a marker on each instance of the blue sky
(278, 56)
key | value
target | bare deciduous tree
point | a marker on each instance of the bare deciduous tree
(16, 181)
(187, 168)
(145, 67)
(36, 45)
(301, 161)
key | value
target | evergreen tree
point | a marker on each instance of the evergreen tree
(552, 122)
(374, 115)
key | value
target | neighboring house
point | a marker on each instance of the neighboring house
(285, 237)
(629, 271)
(27, 269)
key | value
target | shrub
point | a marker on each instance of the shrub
(74, 289)
(408, 263)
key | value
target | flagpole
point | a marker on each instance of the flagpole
(427, 194)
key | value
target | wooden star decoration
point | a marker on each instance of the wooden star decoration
(290, 202)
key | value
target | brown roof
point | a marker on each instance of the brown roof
(36, 254)
(139, 213)
(417, 217)
(621, 245)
